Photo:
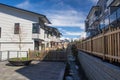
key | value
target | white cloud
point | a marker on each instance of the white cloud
(63, 38)
(26, 5)
(70, 39)
(69, 18)
(94, 1)
(64, 18)
(69, 33)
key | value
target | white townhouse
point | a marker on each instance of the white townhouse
(52, 37)
(22, 30)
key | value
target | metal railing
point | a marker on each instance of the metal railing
(115, 15)
(5, 55)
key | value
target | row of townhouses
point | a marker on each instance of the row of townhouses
(102, 16)
(22, 30)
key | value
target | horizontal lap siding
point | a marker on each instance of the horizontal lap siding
(7, 19)
(13, 46)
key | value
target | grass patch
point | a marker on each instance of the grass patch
(19, 59)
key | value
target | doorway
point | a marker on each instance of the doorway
(36, 45)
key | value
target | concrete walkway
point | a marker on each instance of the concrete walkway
(36, 71)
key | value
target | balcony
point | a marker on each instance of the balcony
(93, 14)
(115, 3)
(35, 36)
(115, 16)
(112, 19)
(109, 2)
(118, 14)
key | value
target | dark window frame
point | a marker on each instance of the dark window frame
(0, 32)
(35, 28)
(16, 28)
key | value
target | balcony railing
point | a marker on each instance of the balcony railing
(115, 16)
(95, 18)
(35, 36)
(118, 13)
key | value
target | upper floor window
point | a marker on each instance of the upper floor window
(16, 28)
(47, 35)
(0, 32)
(35, 28)
(102, 24)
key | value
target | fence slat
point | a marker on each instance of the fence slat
(103, 45)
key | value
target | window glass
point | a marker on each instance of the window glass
(102, 24)
(112, 17)
(107, 21)
(118, 13)
(16, 28)
(36, 28)
(0, 32)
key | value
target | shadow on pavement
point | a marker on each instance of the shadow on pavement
(43, 71)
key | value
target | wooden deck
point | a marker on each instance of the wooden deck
(36, 71)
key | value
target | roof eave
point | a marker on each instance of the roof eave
(40, 15)
(91, 10)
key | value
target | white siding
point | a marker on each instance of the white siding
(7, 19)
(41, 33)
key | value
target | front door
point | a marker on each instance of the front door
(36, 45)
(42, 47)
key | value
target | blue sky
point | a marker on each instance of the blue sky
(66, 15)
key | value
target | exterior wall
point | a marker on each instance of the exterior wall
(9, 40)
(47, 40)
(107, 16)
(103, 6)
(42, 31)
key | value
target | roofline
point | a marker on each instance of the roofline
(54, 29)
(42, 16)
(98, 2)
(91, 10)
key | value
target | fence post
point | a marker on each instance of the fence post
(8, 55)
(104, 43)
(28, 54)
(91, 45)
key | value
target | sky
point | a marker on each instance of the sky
(67, 16)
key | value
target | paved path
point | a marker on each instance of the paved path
(36, 71)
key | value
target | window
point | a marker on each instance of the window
(0, 32)
(102, 24)
(106, 21)
(16, 28)
(47, 35)
(118, 13)
(36, 28)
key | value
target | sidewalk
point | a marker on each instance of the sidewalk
(36, 71)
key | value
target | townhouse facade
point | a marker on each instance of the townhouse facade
(102, 16)
(22, 30)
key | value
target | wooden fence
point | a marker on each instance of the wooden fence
(51, 55)
(105, 45)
